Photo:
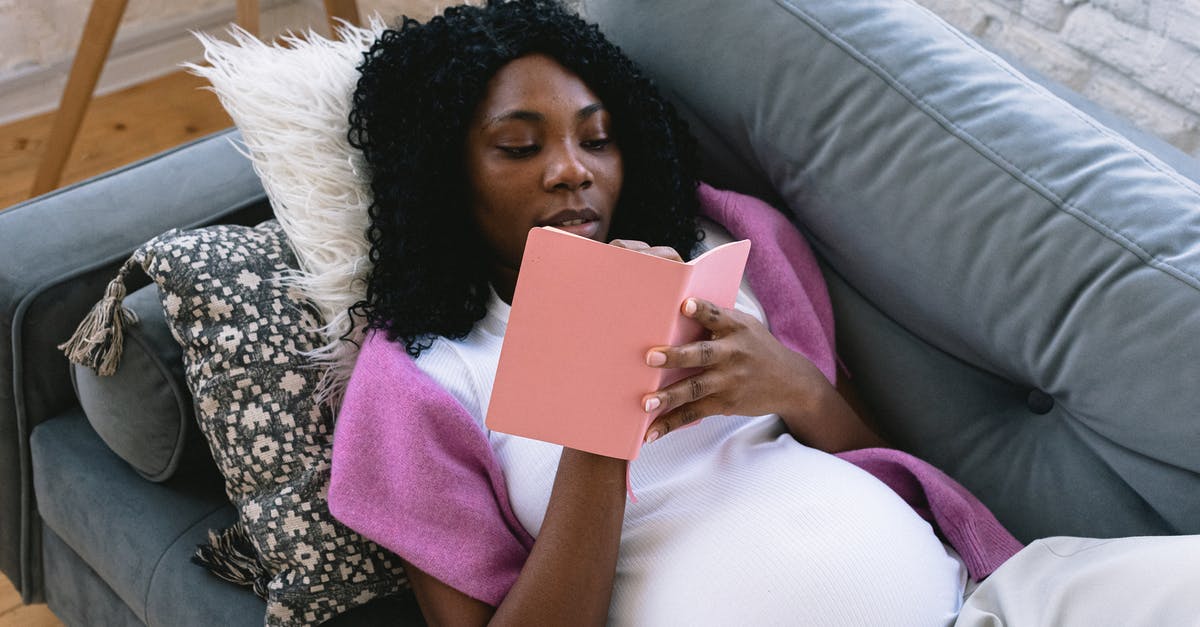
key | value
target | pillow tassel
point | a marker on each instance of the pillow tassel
(98, 341)
(230, 556)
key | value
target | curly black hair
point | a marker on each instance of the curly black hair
(419, 88)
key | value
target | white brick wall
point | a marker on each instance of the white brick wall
(1139, 58)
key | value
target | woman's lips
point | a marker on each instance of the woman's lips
(584, 228)
(582, 222)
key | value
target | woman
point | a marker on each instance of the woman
(486, 122)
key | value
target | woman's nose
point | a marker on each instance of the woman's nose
(565, 170)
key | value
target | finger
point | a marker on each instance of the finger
(681, 417)
(630, 244)
(666, 252)
(700, 354)
(719, 320)
(689, 390)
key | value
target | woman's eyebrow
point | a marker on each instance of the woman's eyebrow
(533, 116)
(515, 114)
(589, 110)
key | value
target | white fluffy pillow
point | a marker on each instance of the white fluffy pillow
(291, 101)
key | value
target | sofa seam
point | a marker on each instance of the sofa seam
(79, 553)
(158, 563)
(969, 139)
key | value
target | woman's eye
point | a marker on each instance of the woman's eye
(519, 150)
(597, 144)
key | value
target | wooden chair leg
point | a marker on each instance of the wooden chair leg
(247, 15)
(98, 34)
(344, 9)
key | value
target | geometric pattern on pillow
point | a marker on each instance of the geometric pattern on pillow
(243, 333)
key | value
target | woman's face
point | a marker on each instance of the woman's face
(539, 152)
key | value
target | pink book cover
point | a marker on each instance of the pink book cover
(572, 367)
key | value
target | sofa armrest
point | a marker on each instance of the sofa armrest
(60, 250)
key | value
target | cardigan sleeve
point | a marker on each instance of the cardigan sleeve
(413, 472)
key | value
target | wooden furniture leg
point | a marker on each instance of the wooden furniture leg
(98, 34)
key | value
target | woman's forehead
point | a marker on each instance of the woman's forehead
(535, 84)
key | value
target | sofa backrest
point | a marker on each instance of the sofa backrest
(59, 252)
(1016, 285)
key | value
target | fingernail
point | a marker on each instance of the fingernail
(689, 307)
(656, 358)
(652, 404)
(652, 437)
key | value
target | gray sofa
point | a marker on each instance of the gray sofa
(1016, 282)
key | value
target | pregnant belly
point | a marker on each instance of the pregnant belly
(791, 537)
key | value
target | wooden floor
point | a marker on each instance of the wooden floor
(119, 128)
(13, 614)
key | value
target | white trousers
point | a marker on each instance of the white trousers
(1063, 582)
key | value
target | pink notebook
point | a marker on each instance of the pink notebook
(572, 368)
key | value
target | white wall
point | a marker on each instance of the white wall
(1140, 58)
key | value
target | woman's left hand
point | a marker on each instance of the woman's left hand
(746, 371)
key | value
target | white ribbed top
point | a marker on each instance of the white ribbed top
(736, 522)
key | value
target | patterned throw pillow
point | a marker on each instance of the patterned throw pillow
(243, 334)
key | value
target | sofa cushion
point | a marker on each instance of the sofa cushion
(143, 411)
(120, 524)
(77, 595)
(1028, 251)
(117, 547)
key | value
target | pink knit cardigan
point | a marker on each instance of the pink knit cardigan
(414, 472)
